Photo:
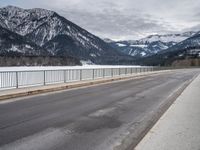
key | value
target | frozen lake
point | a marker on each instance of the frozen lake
(23, 68)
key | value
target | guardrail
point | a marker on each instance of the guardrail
(19, 79)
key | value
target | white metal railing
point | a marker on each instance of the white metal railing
(18, 79)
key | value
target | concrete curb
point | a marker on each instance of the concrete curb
(47, 89)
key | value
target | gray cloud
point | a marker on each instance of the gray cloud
(117, 24)
(127, 19)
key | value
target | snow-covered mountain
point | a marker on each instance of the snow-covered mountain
(151, 44)
(56, 34)
(187, 44)
(184, 50)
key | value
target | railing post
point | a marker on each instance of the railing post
(103, 72)
(80, 74)
(64, 73)
(44, 77)
(17, 80)
(112, 72)
(119, 72)
(93, 74)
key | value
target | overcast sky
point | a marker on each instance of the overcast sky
(123, 19)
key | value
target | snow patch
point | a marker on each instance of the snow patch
(28, 46)
(93, 55)
(143, 53)
(141, 46)
(121, 45)
(15, 49)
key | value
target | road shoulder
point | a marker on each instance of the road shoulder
(179, 127)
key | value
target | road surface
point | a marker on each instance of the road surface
(103, 117)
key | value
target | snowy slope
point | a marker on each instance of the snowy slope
(11, 42)
(140, 49)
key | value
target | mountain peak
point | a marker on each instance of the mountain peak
(41, 12)
(23, 21)
(15, 9)
(11, 10)
(11, 7)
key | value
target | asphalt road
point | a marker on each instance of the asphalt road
(103, 117)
